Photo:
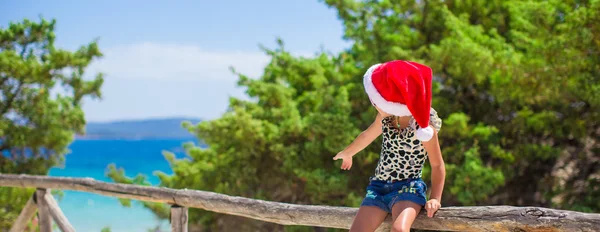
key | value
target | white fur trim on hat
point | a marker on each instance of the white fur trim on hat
(393, 108)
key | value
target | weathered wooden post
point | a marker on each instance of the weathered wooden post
(25, 216)
(57, 214)
(44, 219)
(179, 218)
(474, 218)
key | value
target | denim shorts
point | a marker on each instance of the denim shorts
(384, 194)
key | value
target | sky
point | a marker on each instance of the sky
(172, 58)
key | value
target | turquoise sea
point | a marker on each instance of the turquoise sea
(89, 158)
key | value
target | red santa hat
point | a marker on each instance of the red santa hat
(402, 88)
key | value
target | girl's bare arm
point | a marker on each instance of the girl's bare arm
(365, 138)
(438, 169)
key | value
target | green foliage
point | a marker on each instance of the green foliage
(36, 126)
(118, 175)
(516, 83)
(9, 212)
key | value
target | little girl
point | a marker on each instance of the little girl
(401, 93)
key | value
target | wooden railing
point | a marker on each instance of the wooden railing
(480, 218)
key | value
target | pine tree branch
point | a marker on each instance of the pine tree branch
(4, 147)
(4, 79)
(24, 50)
(12, 98)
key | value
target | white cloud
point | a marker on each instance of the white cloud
(173, 61)
(148, 80)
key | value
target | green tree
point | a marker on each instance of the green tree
(516, 82)
(36, 125)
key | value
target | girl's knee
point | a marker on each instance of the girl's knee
(400, 228)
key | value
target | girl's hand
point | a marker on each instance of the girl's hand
(432, 206)
(347, 160)
(362, 141)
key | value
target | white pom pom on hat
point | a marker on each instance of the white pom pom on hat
(402, 88)
(425, 134)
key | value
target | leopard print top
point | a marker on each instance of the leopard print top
(402, 154)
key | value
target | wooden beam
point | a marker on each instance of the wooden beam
(179, 218)
(57, 214)
(481, 218)
(44, 218)
(25, 216)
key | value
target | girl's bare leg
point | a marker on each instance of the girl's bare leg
(368, 219)
(403, 215)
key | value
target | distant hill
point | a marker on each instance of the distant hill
(139, 129)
